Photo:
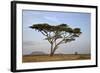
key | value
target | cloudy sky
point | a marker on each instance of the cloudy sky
(34, 41)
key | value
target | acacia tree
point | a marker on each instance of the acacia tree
(57, 35)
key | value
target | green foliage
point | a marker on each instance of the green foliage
(53, 33)
(51, 28)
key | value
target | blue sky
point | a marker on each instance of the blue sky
(33, 40)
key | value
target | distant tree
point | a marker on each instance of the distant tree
(76, 53)
(57, 35)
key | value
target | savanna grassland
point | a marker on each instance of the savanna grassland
(56, 57)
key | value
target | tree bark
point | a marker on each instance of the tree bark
(53, 50)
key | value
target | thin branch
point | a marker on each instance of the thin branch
(63, 39)
(60, 43)
(43, 33)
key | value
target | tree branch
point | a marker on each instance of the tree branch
(43, 33)
(63, 39)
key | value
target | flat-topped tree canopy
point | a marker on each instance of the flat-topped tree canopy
(54, 32)
(52, 28)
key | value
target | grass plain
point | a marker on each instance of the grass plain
(56, 57)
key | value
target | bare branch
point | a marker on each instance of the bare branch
(43, 33)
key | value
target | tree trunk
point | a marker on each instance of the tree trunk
(53, 51)
(51, 54)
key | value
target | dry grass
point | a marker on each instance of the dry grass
(57, 57)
